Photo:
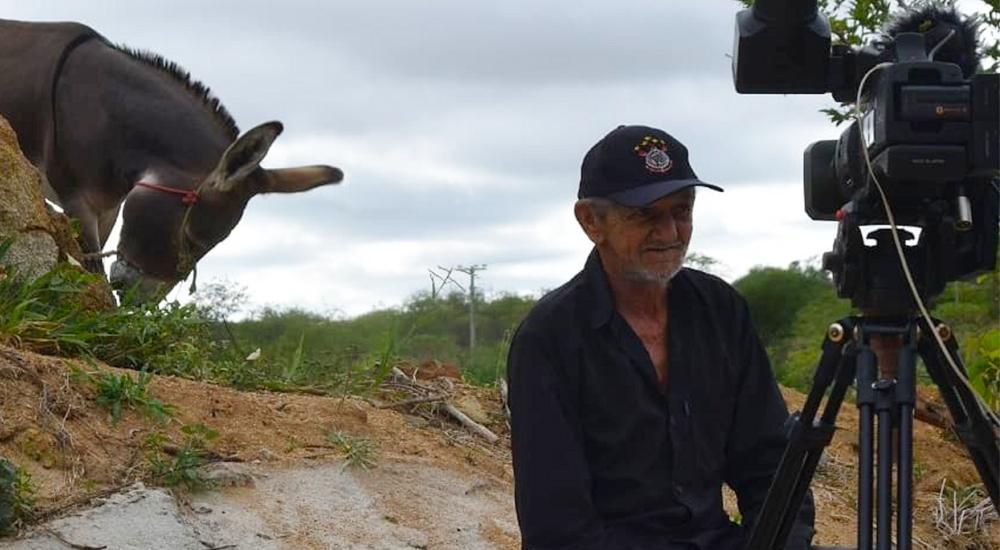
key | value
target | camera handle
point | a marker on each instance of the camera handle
(853, 349)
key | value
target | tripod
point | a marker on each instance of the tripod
(852, 350)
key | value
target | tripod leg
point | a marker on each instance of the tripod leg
(906, 397)
(976, 429)
(884, 407)
(807, 439)
(866, 459)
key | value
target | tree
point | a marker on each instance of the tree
(776, 295)
(221, 299)
(702, 262)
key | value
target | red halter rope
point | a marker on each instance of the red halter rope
(188, 196)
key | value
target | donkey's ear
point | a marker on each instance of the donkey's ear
(244, 156)
(301, 178)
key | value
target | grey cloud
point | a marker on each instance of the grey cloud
(393, 58)
(516, 39)
(384, 210)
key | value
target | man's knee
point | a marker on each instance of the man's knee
(824, 547)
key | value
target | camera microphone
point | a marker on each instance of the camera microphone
(952, 38)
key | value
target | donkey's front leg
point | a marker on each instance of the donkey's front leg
(90, 234)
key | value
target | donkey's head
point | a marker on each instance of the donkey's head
(166, 229)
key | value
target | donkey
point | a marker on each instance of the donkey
(107, 125)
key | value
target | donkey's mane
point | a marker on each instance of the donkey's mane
(197, 89)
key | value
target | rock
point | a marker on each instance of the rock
(472, 408)
(266, 455)
(40, 447)
(23, 213)
(42, 237)
(228, 474)
(412, 538)
(417, 422)
(138, 517)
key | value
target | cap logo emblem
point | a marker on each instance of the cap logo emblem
(654, 150)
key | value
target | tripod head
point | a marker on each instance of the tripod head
(872, 275)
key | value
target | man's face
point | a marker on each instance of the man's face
(648, 243)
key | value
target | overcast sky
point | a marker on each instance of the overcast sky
(460, 126)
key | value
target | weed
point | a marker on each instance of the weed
(184, 467)
(919, 469)
(386, 359)
(364, 374)
(293, 369)
(121, 391)
(16, 496)
(359, 452)
(962, 510)
(292, 445)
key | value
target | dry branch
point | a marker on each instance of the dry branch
(399, 377)
(932, 413)
(502, 384)
(414, 401)
(471, 424)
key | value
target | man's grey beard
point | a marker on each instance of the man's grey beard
(643, 275)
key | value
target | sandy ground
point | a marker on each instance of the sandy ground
(286, 485)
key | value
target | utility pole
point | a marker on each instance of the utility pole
(471, 271)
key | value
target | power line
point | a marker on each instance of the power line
(445, 279)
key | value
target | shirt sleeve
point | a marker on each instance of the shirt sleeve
(552, 487)
(757, 438)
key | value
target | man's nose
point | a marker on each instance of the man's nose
(665, 227)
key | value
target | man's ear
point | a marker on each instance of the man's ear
(590, 222)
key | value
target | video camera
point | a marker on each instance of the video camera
(924, 151)
(931, 137)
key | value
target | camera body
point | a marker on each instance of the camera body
(927, 130)
(931, 134)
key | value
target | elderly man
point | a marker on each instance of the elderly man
(639, 387)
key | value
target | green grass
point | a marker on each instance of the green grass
(184, 467)
(294, 368)
(337, 356)
(124, 391)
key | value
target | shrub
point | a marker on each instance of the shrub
(16, 496)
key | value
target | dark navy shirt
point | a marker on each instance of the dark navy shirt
(606, 458)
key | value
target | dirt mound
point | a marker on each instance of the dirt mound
(432, 484)
(51, 426)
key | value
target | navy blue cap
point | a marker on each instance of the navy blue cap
(636, 166)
